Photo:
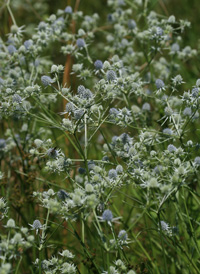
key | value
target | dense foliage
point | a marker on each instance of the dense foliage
(99, 146)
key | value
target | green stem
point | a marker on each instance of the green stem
(86, 137)
(18, 265)
(11, 14)
(42, 242)
(162, 244)
(83, 227)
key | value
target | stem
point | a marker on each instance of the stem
(86, 137)
(108, 262)
(42, 242)
(162, 244)
(18, 265)
(83, 228)
(11, 14)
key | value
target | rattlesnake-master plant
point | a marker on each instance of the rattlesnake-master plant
(99, 154)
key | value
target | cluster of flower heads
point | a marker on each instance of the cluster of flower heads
(132, 94)
(63, 264)
(14, 244)
(119, 267)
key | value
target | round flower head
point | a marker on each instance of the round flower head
(98, 64)
(91, 165)
(195, 92)
(37, 62)
(36, 225)
(119, 169)
(171, 148)
(11, 49)
(167, 131)
(2, 143)
(46, 80)
(165, 227)
(175, 48)
(198, 82)
(158, 169)
(177, 80)
(197, 160)
(131, 24)
(28, 43)
(80, 43)
(16, 98)
(111, 75)
(187, 111)
(42, 26)
(121, 3)
(68, 10)
(107, 215)
(67, 254)
(84, 93)
(81, 89)
(122, 235)
(171, 19)
(110, 18)
(159, 31)
(62, 195)
(78, 114)
(1, 81)
(69, 107)
(159, 84)
(168, 111)
(146, 107)
(113, 111)
(112, 174)
(10, 223)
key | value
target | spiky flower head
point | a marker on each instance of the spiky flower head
(197, 160)
(112, 174)
(146, 107)
(46, 80)
(10, 223)
(195, 92)
(28, 43)
(107, 215)
(2, 143)
(111, 75)
(167, 131)
(159, 84)
(98, 64)
(175, 48)
(36, 225)
(123, 235)
(119, 169)
(78, 114)
(80, 43)
(69, 107)
(11, 49)
(159, 31)
(68, 10)
(131, 24)
(16, 98)
(187, 111)
(171, 148)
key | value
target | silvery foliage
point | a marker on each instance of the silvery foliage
(151, 150)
